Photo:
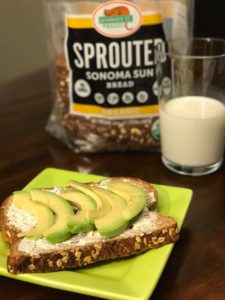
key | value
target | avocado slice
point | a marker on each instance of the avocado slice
(82, 220)
(22, 199)
(59, 231)
(136, 197)
(103, 207)
(87, 190)
(79, 199)
(113, 223)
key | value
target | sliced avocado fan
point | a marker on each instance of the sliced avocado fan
(81, 208)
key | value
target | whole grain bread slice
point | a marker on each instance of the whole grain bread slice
(153, 231)
(150, 230)
(10, 232)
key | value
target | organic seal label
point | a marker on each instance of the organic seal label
(117, 19)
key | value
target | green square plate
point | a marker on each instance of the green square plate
(129, 279)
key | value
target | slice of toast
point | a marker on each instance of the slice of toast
(152, 230)
(149, 230)
(10, 223)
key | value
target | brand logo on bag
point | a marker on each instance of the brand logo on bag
(117, 19)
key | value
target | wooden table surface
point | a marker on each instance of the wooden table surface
(196, 267)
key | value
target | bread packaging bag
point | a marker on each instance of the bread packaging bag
(103, 63)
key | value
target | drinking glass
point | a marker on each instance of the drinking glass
(191, 91)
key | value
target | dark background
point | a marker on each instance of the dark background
(209, 18)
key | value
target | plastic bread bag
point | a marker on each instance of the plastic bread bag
(103, 64)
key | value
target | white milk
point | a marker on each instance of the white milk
(192, 130)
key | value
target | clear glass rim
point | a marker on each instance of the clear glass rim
(220, 41)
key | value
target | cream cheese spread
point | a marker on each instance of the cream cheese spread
(24, 221)
(147, 220)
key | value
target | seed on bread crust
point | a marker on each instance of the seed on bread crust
(50, 263)
(8, 233)
(161, 239)
(95, 253)
(65, 259)
(138, 239)
(77, 253)
(87, 259)
(137, 246)
(31, 267)
(155, 240)
(59, 263)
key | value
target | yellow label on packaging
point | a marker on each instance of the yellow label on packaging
(123, 112)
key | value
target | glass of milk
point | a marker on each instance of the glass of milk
(191, 88)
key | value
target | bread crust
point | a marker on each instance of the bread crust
(74, 256)
(9, 232)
